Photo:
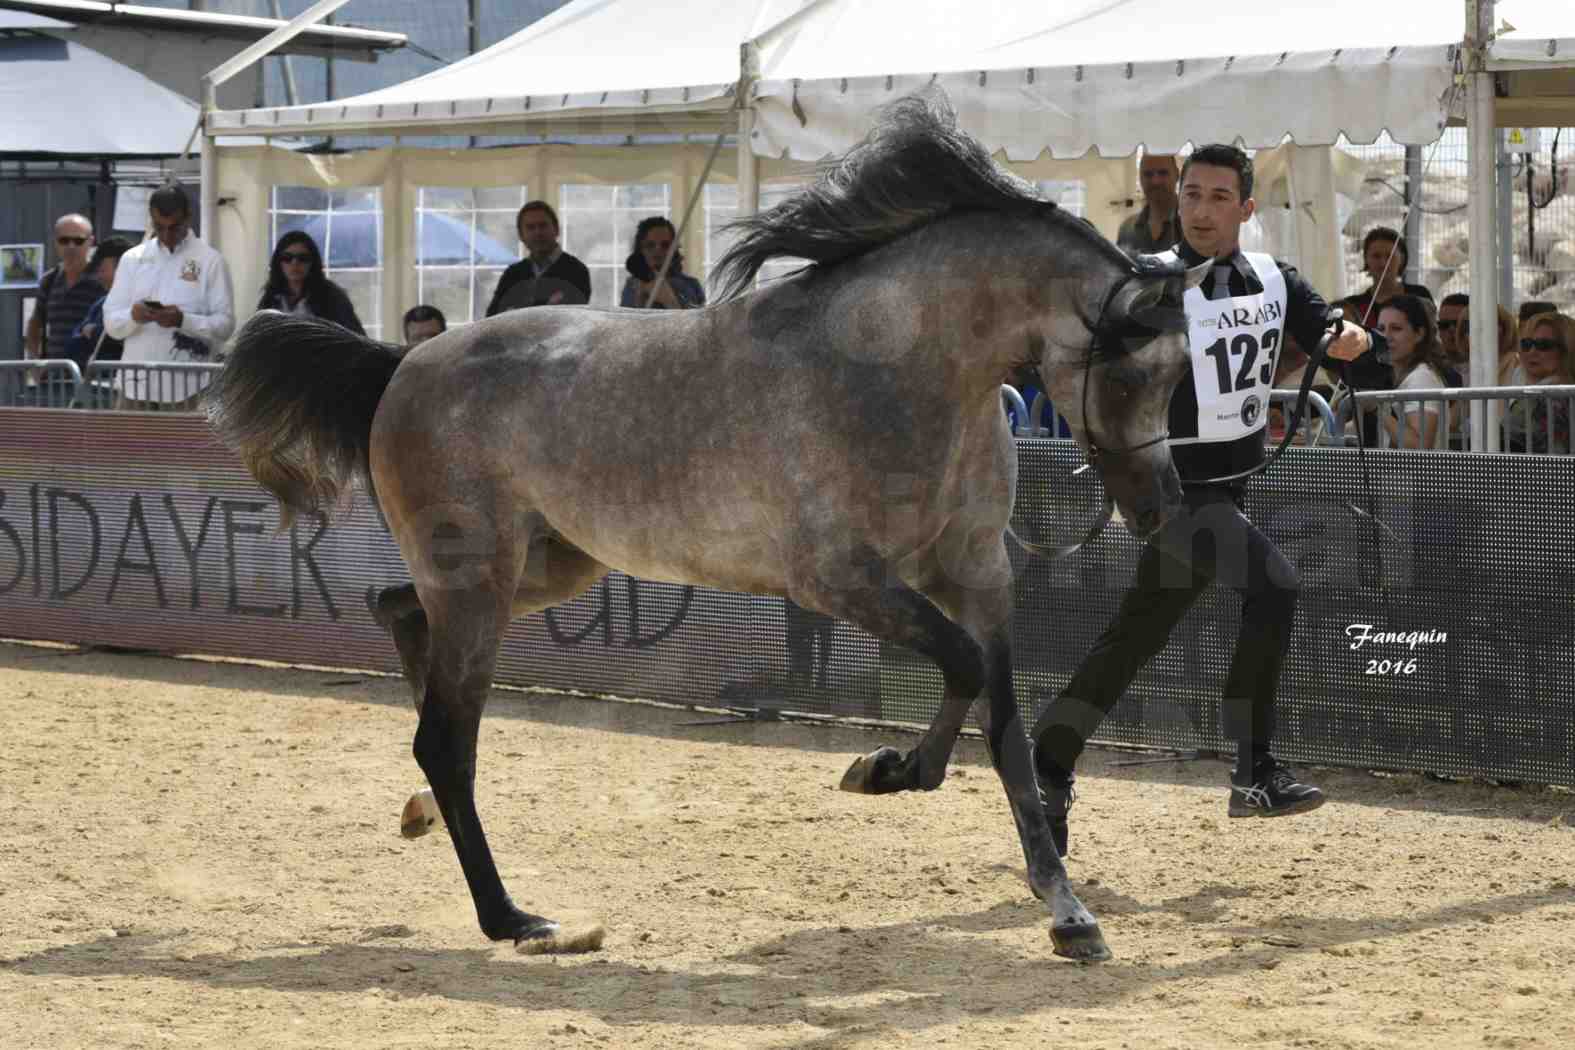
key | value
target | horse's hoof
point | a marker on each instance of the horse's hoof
(877, 773)
(420, 814)
(1080, 941)
(552, 939)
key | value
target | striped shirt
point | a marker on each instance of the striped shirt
(65, 305)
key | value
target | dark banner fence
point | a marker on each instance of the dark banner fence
(1446, 646)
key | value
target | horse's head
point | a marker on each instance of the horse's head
(1111, 370)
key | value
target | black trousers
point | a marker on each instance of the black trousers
(1212, 542)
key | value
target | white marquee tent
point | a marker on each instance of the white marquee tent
(1079, 81)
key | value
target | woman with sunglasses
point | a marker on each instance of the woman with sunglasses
(1543, 424)
(297, 284)
(654, 239)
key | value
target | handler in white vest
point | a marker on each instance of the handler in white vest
(1238, 317)
(172, 301)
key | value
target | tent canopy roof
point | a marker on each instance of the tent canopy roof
(146, 119)
(1103, 74)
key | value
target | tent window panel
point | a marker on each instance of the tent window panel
(449, 198)
(496, 198)
(496, 230)
(585, 196)
(365, 288)
(481, 289)
(347, 225)
(465, 236)
(598, 224)
(449, 289)
(356, 199)
(300, 198)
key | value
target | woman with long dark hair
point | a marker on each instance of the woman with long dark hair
(654, 240)
(297, 284)
(1419, 363)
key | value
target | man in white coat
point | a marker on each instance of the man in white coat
(172, 301)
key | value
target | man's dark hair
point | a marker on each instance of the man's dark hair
(170, 200)
(1386, 233)
(519, 219)
(1532, 307)
(109, 248)
(1456, 299)
(417, 314)
(1219, 155)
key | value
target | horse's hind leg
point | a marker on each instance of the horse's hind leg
(554, 573)
(466, 625)
(398, 610)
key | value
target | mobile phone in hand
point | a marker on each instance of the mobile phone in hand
(153, 304)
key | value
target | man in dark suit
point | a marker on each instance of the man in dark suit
(548, 275)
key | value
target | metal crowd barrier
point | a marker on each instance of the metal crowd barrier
(56, 383)
(1325, 431)
(38, 384)
(147, 383)
(1511, 409)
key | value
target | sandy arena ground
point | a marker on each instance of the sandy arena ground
(206, 854)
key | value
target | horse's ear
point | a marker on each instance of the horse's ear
(1196, 274)
(1151, 302)
(1137, 297)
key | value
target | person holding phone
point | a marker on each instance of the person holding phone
(654, 239)
(172, 301)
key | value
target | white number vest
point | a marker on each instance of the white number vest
(1235, 343)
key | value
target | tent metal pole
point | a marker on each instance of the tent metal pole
(208, 211)
(1413, 214)
(1480, 140)
(1505, 210)
(748, 163)
(208, 173)
(689, 211)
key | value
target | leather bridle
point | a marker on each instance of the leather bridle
(1104, 334)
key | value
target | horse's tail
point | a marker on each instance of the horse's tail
(295, 401)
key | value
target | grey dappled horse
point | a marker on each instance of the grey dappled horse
(836, 437)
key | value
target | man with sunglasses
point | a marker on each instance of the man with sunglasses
(65, 293)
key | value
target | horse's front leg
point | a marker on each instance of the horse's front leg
(1074, 930)
(972, 589)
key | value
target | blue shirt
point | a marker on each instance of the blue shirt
(689, 291)
(84, 337)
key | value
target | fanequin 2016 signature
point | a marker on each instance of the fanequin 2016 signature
(1364, 633)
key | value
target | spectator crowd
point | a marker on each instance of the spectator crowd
(170, 299)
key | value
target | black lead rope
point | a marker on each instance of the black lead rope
(1315, 361)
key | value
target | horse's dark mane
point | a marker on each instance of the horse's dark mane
(914, 167)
